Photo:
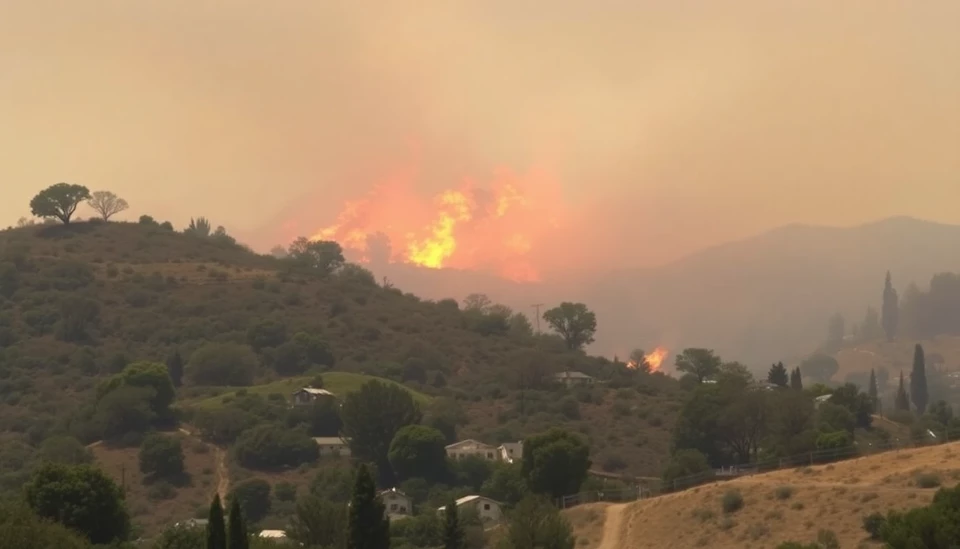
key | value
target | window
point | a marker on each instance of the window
(489, 455)
(486, 506)
(393, 506)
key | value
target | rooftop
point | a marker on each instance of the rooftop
(329, 441)
(576, 375)
(314, 391)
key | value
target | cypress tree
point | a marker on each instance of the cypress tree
(216, 529)
(369, 527)
(238, 529)
(452, 532)
(890, 312)
(874, 391)
(796, 380)
(903, 401)
(175, 368)
(918, 381)
(778, 375)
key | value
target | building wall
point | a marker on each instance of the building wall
(485, 453)
(335, 451)
(488, 510)
(397, 504)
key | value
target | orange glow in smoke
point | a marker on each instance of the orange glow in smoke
(499, 225)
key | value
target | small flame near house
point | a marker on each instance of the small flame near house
(654, 360)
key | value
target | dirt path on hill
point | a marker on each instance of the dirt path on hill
(220, 456)
(223, 476)
(612, 526)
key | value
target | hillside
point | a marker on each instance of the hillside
(788, 505)
(756, 300)
(80, 303)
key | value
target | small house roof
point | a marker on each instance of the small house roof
(573, 375)
(393, 491)
(314, 391)
(274, 534)
(468, 442)
(468, 499)
(329, 441)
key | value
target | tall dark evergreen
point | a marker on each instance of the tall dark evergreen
(903, 401)
(452, 532)
(874, 391)
(237, 538)
(796, 380)
(216, 529)
(918, 381)
(175, 368)
(778, 375)
(368, 526)
(890, 314)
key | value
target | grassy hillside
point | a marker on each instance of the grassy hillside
(338, 383)
(80, 303)
(789, 505)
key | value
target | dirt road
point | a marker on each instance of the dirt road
(612, 527)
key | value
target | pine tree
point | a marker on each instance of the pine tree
(369, 527)
(175, 369)
(874, 391)
(452, 532)
(216, 529)
(778, 375)
(238, 529)
(796, 380)
(918, 381)
(903, 401)
(890, 313)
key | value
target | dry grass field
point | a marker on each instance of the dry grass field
(155, 506)
(788, 505)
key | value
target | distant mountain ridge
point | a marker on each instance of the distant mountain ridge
(757, 300)
(768, 297)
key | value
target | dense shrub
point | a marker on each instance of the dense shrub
(222, 364)
(732, 501)
(272, 447)
(161, 456)
(254, 498)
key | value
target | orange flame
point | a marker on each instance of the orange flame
(653, 360)
(497, 227)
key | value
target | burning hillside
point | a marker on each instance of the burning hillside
(500, 225)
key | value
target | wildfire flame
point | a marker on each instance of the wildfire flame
(495, 227)
(654, 360)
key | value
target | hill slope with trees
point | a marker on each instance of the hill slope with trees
(112, 331)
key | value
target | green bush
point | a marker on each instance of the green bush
(732, 501)
(254, 498)
(783, 492)
(873, 524)
(161, 456)
(273, 447)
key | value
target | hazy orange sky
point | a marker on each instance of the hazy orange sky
(669, 125)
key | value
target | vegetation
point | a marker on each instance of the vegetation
(369, 527)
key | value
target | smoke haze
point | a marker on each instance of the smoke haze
(665, 127)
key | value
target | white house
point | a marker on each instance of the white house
(510, 451)
(272, 534)
(486, 508)
(398, 504)
(820, 400)
(308, 395)
(332, 446)
(573, 379)
(470, 447)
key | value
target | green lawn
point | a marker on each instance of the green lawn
(338, 383)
